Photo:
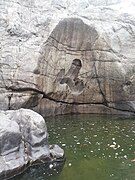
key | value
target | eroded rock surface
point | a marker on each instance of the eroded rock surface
(23, 142)
(61, 57)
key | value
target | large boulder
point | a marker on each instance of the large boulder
(23, 142)
(61, 57)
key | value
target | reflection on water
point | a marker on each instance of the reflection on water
(41, 172)
(96, 148)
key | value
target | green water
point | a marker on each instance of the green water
(96, 148)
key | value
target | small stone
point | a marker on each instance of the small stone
(50, 166)
(69, 164)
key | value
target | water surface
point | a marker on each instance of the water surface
(96, 148)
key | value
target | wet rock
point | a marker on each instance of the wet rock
(23, 142)
(56, 151)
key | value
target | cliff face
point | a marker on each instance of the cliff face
(62, 57)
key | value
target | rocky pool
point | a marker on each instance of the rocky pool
(96, 148)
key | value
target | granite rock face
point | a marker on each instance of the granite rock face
(23, 142)
(61, 57)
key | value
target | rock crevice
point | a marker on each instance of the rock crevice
(123, 106)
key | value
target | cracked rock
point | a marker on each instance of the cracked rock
(60, 57)
(23, 142)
